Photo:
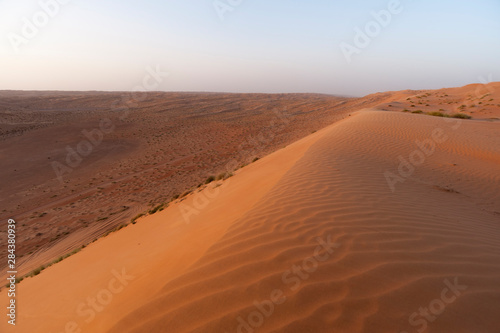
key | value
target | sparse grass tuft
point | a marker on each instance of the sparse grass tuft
(137, 217)
(417, 111)
(437, 114)
(185, 193)
(461, 116)
(156, 209)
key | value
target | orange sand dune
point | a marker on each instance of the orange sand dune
(480, 101)
(337, 232)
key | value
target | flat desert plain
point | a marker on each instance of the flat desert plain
(363, 215)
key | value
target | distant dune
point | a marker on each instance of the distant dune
(380, 222)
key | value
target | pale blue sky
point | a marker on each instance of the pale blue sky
(260, 46)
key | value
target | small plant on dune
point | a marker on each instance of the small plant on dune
(417, 111)
(121, 226)
(209, 180)
(155, 209)
(58, 260)
(255, 159)
(37, 271)
(185, 193)
(134, 220)
(461, 116)
(406, 110)
(437, 114)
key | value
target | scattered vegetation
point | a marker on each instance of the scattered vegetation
(417, 111)
(155, 209)
(38, 270)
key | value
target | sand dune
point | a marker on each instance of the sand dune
(337, 232)
(160, 147)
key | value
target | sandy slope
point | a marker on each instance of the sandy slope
(480, 101)
(314, 227)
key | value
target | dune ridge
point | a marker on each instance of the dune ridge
(393, 252)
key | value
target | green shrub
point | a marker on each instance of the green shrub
(461, 116)
(185, 193)
(437, 114)
(156, 209)
(137, 217)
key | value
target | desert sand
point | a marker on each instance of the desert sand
(158, 147)
(381, 222)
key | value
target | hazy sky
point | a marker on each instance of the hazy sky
(258, 46)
